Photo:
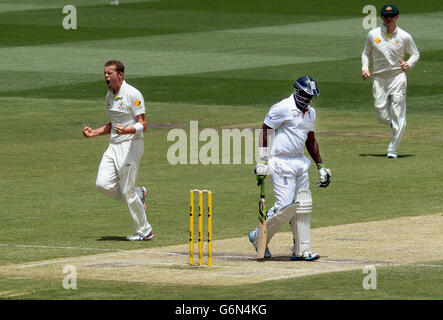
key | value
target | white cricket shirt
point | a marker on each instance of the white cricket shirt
(123, 108)
(291, 127)
(387, 49)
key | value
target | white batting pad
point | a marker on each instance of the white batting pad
(301, 224)
(305, 198)
(280, 218)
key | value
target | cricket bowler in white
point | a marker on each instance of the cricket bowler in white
(119, 167)
(291, 122)
(386, 47)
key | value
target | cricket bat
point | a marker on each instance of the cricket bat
(262, 227)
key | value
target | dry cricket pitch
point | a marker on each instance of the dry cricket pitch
(347, 247)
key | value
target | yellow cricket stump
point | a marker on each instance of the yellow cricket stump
(191, 227)
(200, 226)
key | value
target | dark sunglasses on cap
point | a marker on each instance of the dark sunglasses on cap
(392, 15)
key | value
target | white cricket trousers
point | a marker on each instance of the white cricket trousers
(390, 105)
(289, 174)
(116, 178)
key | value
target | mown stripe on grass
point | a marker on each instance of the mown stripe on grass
(24, 5)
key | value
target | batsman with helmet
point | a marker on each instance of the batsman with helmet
(290, 124)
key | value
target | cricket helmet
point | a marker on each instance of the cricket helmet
(305, 89)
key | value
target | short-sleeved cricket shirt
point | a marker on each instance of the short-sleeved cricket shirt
(291, 127)
(123, 108)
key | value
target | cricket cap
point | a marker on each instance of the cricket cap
(389, 9)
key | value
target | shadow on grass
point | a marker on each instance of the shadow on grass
(112, 238)
(383, 155)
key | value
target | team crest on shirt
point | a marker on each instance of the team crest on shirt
(121, 105)
(396, 43)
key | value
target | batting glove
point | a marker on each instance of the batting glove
(325, 176)
(261, 169)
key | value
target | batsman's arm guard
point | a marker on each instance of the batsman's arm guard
(263, 153)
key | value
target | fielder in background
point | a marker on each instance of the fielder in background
(386, 47)
(119, 167)
(292, 123)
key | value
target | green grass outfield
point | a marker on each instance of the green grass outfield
(223, 63)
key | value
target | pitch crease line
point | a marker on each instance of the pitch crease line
(55, 247)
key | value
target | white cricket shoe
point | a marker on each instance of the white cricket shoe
(392, 155)
(307, 256)
(137, 237)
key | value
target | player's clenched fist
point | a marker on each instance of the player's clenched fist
(120, 129)
(404, 65)
(87, 132)
(365, 74)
